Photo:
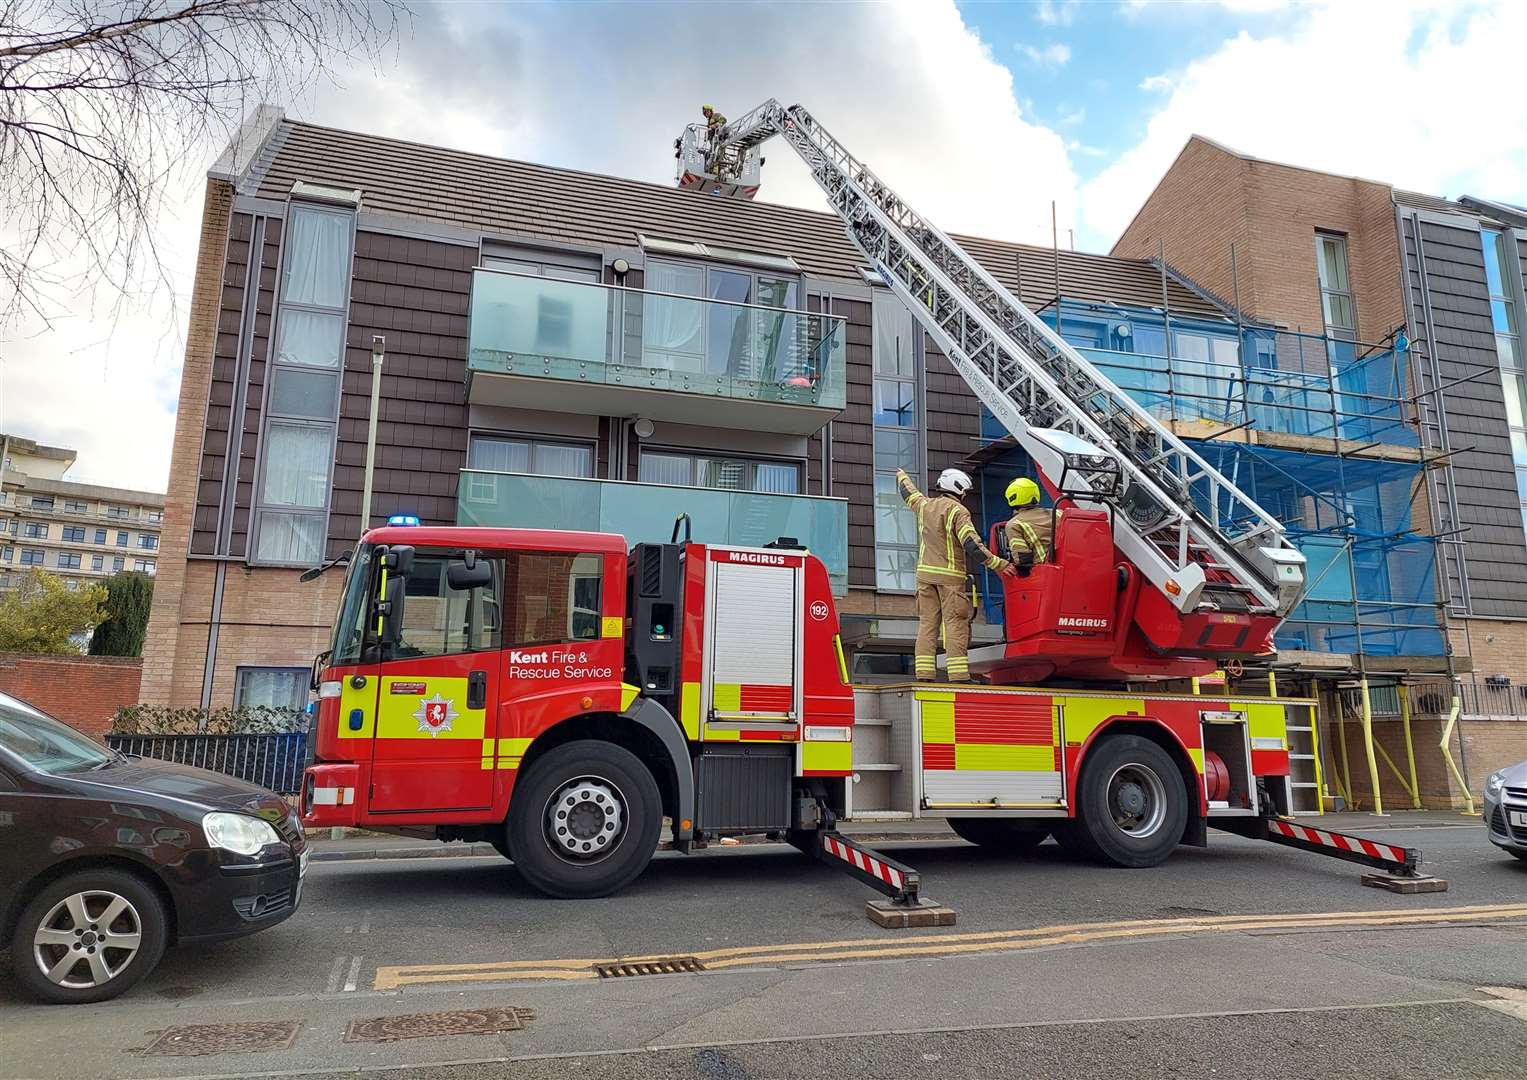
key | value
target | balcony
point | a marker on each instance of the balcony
(659, 355)
(646, 512)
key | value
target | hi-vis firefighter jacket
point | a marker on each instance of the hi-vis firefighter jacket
(944, 534)
(1031, 530)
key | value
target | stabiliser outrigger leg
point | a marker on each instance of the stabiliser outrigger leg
(898, 881)
(1400, 865)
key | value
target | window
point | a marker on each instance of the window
(1205, 374)
(74, 533)
(148, 541)
(156, 516)
(143, 566)
(121, 539)
(68, 560)
(441, 621)
(505, 453)
(100, 536)
(1502, 283)
(42, 502)
(540, 268)
(302, 389)
(712, 471)
(119, 512)
(896, 438)
(74, 506)
(31, 556)
(270, 688)
(118, 562)
(15, 524)
(1335, 286)
(35, 530)
(552, 598)
(98, 562)
(6, 553)
(728, 329)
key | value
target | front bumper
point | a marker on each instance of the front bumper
(1506, 820)
(233, 900)
(330, 796)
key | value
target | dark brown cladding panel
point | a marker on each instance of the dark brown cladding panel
(415, 293)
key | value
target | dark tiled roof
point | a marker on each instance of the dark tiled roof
(499, 196)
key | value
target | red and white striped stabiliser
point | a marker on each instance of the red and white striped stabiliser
(1355, 844)
(861, 861)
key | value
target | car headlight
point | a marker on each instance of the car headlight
(1494, 783)
(239, 833)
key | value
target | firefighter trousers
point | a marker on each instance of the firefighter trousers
(947, 606)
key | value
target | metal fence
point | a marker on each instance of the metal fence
(272, 761)
(1478, 696)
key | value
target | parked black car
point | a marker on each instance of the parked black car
(106, 859)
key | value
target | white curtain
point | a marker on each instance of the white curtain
(499, 455)
(297, 465)
(271, 689)
(666, 469)
(553, 459)
(309, 337)
(671, 327)
(290, 538)
(318, 256)
(777, 479)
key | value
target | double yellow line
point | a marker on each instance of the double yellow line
(989, 941)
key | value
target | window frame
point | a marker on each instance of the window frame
(506, 600)
(534, 439)
(498, 597)
(708, 265)
(68, 529)
(26, 560)
(1507, 249)
(41, 502)
(1338, 333)
(694, 454)
(34, 530)
(259, 508)
(68, 560)
(918, 428)
(76, 506)
(301, 677)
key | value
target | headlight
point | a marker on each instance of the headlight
(239, 833)
(1494, 783)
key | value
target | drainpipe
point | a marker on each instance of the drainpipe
(378, 354)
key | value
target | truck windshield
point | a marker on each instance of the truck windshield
(350, 626)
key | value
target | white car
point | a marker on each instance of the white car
(1506, 809)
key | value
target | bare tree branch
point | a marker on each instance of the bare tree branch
(105, 103)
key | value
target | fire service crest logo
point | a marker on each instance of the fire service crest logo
(435, 714)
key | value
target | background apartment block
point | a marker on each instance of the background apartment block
(1366, 262)
(81, 532)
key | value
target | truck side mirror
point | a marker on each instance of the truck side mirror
(397, 559)
(389, 611)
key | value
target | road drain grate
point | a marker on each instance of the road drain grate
(199, 1040)
(667, 965)
(433, 1025)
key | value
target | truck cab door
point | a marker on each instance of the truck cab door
(438, 687)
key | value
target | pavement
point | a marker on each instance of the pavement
(1243, 959)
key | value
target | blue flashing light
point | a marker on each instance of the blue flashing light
(403, 519)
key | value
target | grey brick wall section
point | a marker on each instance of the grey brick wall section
(1496, 548)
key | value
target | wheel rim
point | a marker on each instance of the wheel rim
(87, 939)
(1137, 800)
(585, 819)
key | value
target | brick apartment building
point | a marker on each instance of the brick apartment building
(592, 352)
(1363, 261)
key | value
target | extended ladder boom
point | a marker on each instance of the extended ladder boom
(1051, 398)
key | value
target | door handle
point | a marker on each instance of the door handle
(477, 690)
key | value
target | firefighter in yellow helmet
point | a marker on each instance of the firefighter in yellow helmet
(945, 538)
(714, 121)
(1031, 530)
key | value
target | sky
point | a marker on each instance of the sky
(981, 114)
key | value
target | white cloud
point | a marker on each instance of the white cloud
(1070, 117)
(1052, 13)
(1056, 54)
(1433, 102)
(909, 87)
(1155, 84)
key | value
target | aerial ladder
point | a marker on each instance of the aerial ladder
(1210, 553)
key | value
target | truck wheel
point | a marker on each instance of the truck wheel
(1132, 804)
(88, 937)
(584, 820)
(998, 834)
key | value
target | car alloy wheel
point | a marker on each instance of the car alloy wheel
(87, 939)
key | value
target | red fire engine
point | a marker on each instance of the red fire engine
(560, 694)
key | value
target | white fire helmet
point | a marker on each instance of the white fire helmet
(954, 481)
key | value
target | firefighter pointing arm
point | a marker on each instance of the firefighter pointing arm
(946, 538)
(1031, 530)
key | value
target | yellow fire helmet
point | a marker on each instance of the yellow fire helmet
(1022, 492)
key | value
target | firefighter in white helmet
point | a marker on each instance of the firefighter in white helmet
(945, 538)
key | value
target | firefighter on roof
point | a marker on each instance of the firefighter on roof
(945, 536)
(1031, 529)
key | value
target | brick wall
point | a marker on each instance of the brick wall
(84, 692)
(162, 648)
